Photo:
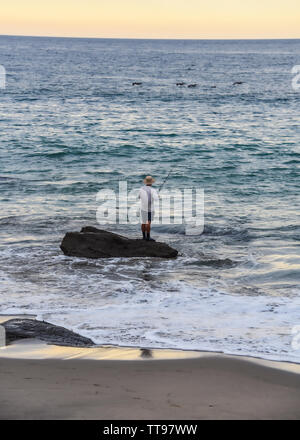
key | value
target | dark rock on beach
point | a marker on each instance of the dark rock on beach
(96, 243)
(52, 334)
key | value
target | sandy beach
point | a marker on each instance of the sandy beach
(214, 387)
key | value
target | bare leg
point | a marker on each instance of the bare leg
(144, 227)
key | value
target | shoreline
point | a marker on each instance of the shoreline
(33, 348)
(50, 382)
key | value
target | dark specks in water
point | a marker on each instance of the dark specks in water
(217, 263)
(147, 277)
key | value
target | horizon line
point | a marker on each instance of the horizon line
(151, 38)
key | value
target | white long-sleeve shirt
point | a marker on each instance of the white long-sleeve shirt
(148, 197)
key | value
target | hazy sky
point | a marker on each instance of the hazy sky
(152, 18)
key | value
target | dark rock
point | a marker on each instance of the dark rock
(52, 334)
(96, 243)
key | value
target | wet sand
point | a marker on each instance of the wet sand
(40, 381)
(205, 388)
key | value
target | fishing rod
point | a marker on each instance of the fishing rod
(165, 181)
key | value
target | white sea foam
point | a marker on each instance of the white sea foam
(174, 315)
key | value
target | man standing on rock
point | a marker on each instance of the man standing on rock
(148, 197)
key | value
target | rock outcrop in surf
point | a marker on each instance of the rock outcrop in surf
(29, 328)
(96, 243)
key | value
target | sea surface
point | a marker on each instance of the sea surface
(72, 123)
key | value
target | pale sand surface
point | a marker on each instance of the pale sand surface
(36, 349)
(205, 388)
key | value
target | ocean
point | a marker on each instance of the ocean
(72, 124)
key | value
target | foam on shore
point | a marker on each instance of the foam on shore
(39, 350)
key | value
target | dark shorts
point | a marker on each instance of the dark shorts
(146, 217)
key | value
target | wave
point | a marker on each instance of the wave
(215, 263)
(59, 154)
(280, 228)
(219, 231)
(170, 229)
(211, 230)
(286, 232)
(237, 233)
(292, 162)
(5, 179)
(213, 319)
